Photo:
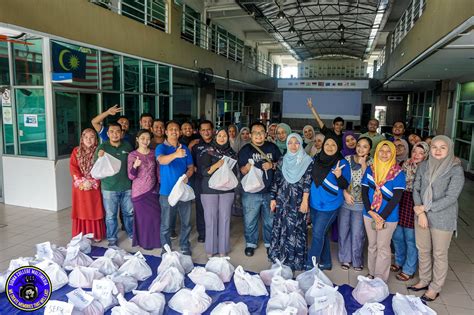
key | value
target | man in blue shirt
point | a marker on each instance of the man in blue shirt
(175, 160)
(97, 123)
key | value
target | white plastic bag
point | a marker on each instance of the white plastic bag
(54, 307)
(277, 269)
(127, 308)
(56, 274)
(209, 280)
(284, 286)
(3, 280)
(307, 278)
(410, 304)
(128, 282)
(168, 281)
(152, 302)
(371, 309)
(51, 252)
(75, 258)
(82, 277)
(180, 192)
(252, 182)
(84, 303)
(370, 290)
(105, 291)
(136, 267)
(230, 308)
(281, 302)
(247, 284)
(105, 166)
(222, 267)
(19, 262)
(83, 241)
(105, 265)
(318, 289)
(330, 304)
(184, 263)
(224, 179)
(117, 255)
(194, 301)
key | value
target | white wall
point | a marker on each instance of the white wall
(63, 184)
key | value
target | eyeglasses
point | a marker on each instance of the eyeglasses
(258, 133)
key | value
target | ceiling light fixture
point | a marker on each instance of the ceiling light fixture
(341, 28)
(342, 41)
(281, 15)
(300, 43)
(292, 30)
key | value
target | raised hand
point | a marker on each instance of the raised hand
(114, 110)
(338, 170)
(309, 102)
(137, 162)
(180, 152)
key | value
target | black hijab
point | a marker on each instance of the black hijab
(225, 149)
(323, 163)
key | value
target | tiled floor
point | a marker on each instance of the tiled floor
(26, 227)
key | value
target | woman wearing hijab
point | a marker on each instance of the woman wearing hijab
(402, 148)
(272, 132)
(234, 138)
(282, 132)
(289, 201)
(217, 204)
(382, 188)
(406, 255)
(87, 209)
(438, 183)
(308, 136)
(331, 174)
(244, 137)
(349, 142)
(317, 145)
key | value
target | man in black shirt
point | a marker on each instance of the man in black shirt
(337, 124)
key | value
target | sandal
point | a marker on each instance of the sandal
(345, 266)
(395, 268)
(428, 299)
(358, 268)
(404, 277)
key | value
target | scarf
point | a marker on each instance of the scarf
(323, 163)
(409, 167)
(345, 149)
(295, 164)
(438, 168)
(85, 155)
(270, 137)
(221, 150)
(403, 157)
(383, 172)
(234, 142)
(309, 141)
(241, 142)
(282, 144)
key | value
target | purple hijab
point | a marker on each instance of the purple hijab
(345, 150)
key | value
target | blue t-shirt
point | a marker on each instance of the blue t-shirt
(170, 173)
(328, 196)
(387, 192)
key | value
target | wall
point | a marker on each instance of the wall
(63, 184)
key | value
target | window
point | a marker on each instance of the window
(229, 105)
(149, 104)
(164, 80)
(164, 105)
(132, 111)
(110, 71)
(157, 14)
(420, 111)
(109, 100)
(131, 74)
(184, 103)
(464, 123)
(4, 68)
(149, 77)
(28, 63)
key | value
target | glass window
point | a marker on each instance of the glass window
(184, 103)
(110, 71)
(164, 106)
(467, 91)
(67, 121)
(28, 62)
(156, 14)
(8, 138)
(134, 9)
(132, 111)
(421, 98)
(89, 109)
(464, 131)
(429, 96)
(149, 104)
(31, 120)
(164, 80)
(131, 74)
(466, 111)
(462, 150)
(4, 69)
(109, 100)
(149, 77)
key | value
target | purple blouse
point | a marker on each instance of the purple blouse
(144, 178)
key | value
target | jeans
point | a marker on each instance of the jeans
(167, 211)
(351, 236)
(406, 254)
(320, 246)
(256, 205)
(113, 200)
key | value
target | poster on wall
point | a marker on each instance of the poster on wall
(30, 120)
(7, 116)
(6, 100)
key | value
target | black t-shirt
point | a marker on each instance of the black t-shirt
(249, 152)
(196, 151)
(205, 161)
(326, 131)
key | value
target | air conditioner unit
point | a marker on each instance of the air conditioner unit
(394, 98)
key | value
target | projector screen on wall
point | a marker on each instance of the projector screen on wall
(329, 104)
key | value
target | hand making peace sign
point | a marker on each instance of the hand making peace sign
(338, 170)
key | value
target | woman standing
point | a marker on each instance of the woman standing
(331, 175)
(234, 139)
(290, 193)
(349, 142)
(87, 209)
(438, 183)
(350, 219)
(244, 137)
(142, 171)
(308, 136)
(217, 204)
(402, 148)
(272, 132)
(282, 132)
(382, 187)
(317, 145)
(406, 255)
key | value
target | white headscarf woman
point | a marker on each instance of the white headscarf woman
(244, 137)
(317, 145)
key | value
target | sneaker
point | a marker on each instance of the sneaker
(173, 235)
(249, 251)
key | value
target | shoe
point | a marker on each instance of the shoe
(413, 288)
(404, 277)
(186, 252)
(201, 239)
(173, 235)
(249, 251)
(428, 299)
(112, 244)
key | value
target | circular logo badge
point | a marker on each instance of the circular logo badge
(28, 288)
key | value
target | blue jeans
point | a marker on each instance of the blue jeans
(167, 211)
(113, 200)
(406, 254)
(320, 246)
(256, 205)
(351, 236)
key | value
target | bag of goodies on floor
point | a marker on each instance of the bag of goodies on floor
(222, 267)
(105, 265)
(105, 166)
(136, 267)
(184, 263)
(252, 182)
(224, 178)
(51, 252)
(84, 242)
(82, 277)
(194, 301)
(181, 192)
(209, 280)
(105, 291)
(128, 282)
(371, 309)
(370, 290)
(127, 308)
(247, 284)
(75, 258)
(318, 289)
(307, 278)
(54, 307)
(169, 281)
(56, 274)
(152, 302)
(84, 303)
(3, 280)
(281, 302)
(330, 304)
(410, 304)
(277, 269)
(14, 264)
(117, 255)
(284, 286)
(230, 308)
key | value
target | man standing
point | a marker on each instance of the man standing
(373, 135)
(97, 123)
(146, 121)
(398, 131)
(175, 160)
(265, 155)
(337, 124)
(116, 190)
(206, 130)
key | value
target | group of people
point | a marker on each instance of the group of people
(368, 186)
